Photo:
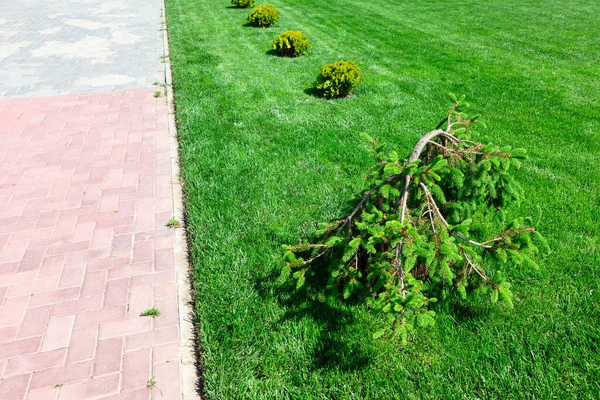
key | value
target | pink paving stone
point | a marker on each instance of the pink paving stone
(39, 235)
(47, 219)
(92, 254)
(165, 260)
(35, 362)
(153, 234)
(3, 291)
(125, 327)
(106, 314)
(13, 311)
(31, 259)
(109, 355)
(94, 283)
(18, 348)
(109, 202)
(153, 279)
(140, 299)
(58, 332)
(131, 271)
(14, 387)
(17, 278)
(8, 334)
(51, 267)
(169, 315)
(12, 226)
(137, 369)
(126, 208)
(102, 238)
(51, 240)
(162, 218)
(50, 393)
(64, 225)
(143, 251)
(8, 268)
(83, 344)
(152, 338)
(83, 232)
(56, 376)
(165, 290)
(3, 241)
(116, 292)
(166, 353)
(109, 263)
(146, 221)
(124, 229)
(39, 286)
(55, 296)
(140, 394)
(121, 245)
(75, 306)
(83, 203)
(98, 216)
(72, 275)
(90, 388)
(164, 374)
(34, 323)
(13, 251)
(67, 248)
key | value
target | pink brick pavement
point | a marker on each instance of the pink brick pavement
(85, 192)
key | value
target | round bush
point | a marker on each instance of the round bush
(291, 44)
(338, 79)
(264, 16)
(243, 3)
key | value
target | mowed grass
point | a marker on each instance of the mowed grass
(263, 161)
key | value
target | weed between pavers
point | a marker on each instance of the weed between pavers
(173, 223)
(152, 385)
(151, 312)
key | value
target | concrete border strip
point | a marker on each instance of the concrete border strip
(188, 372)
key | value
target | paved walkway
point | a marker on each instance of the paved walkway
(49, 47)
(86, 189)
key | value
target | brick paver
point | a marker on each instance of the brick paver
(86, 188)
(84, 198)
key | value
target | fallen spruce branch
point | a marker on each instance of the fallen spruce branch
(430, 227)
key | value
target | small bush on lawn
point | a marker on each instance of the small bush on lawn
(291, 44)
(264, 16)
(243, 3)
(338, 79)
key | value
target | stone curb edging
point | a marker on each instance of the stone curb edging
(188, 373)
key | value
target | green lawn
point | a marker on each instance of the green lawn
(264, 161)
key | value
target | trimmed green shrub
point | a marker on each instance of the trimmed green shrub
(291, 44)
(243, 3)
(338, 79)
(264, 16)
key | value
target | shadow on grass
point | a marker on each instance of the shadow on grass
(345, 340)
(275, 53)
(312, 91)
(249, 24)
(335, 349)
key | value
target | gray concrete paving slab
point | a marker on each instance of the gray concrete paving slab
(50, 47)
